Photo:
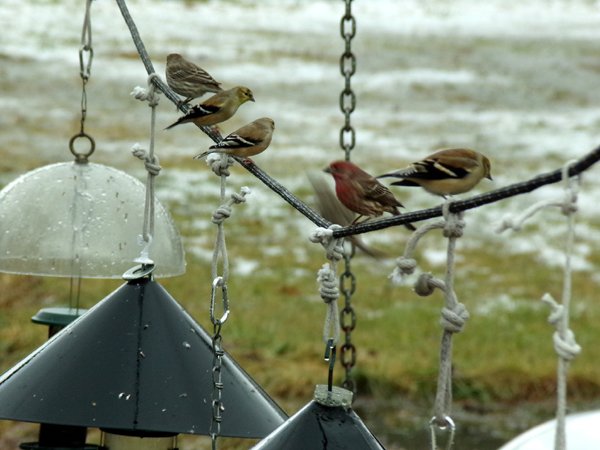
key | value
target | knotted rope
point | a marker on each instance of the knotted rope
(328, 280)
(563, 338)
(453, 315)
(151, 165)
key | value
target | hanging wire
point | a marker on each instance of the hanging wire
(86, 55)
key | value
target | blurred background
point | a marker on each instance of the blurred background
(517, 81)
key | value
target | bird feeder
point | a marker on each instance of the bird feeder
(136, 364)
(81, 220)
(329, 419)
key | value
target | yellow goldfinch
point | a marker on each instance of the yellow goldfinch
(187, 79)
(445, 172)
(247, 141)
(217, 108)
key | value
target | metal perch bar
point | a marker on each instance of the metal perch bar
(523, 187)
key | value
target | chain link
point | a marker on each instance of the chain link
(348, 324)
(86, 55)
(217, 402)
(347, 69)
(347, 144)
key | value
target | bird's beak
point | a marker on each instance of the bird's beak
(489, 177)
(327, 170)
(252, 98)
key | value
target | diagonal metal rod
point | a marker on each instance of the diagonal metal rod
(160, 84)
(512, 190)
(476, 201)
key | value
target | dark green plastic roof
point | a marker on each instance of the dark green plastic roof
(134, 362)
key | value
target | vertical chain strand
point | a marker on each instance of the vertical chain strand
(217, 403)
(347, 143)
(347, 69)
(348, 324)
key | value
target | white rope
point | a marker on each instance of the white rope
(219, 215)
(152, 166)
(563, 338)
(329, 290)
(328, 280)
(568, 206)
(453, 315)
(406, 264)
(334, 248)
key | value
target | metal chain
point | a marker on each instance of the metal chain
(347, 143)
(86, 55)
(217, 403)
(348, 324)
(347, 68)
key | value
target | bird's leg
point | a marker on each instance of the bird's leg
(356, 221)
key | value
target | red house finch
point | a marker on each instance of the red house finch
(187, 79)
(360, 192)
(217, 108)
(332, 209)
(247, 141)
(445, 172)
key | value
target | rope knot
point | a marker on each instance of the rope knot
(334, 248)
(151, 164)
(565, 345)
(149, 94)
(406, 266)
(454, 225)
(224, 211)
(426, 284)
(219, 163)
(453, 319)
(221, 213)
(329, 286)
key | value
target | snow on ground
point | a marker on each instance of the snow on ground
(515, 80)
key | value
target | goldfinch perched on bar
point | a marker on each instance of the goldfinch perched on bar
(362, 193)
(445, 172)
(247, 141)
(187, 79)
(217, 108)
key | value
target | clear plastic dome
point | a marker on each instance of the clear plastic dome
(81, 220)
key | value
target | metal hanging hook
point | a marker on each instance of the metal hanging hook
(330, 351)
(219, 282)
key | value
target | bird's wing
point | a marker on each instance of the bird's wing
(194, 113)
(235, 141)
(195, 75)
(436, 168)
(201, 111)
(376, 191)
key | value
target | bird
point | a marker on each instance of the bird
(446, 172)
(187, 79)
(247, 141)
(332, 210)
(361, 192)
(217, 108)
